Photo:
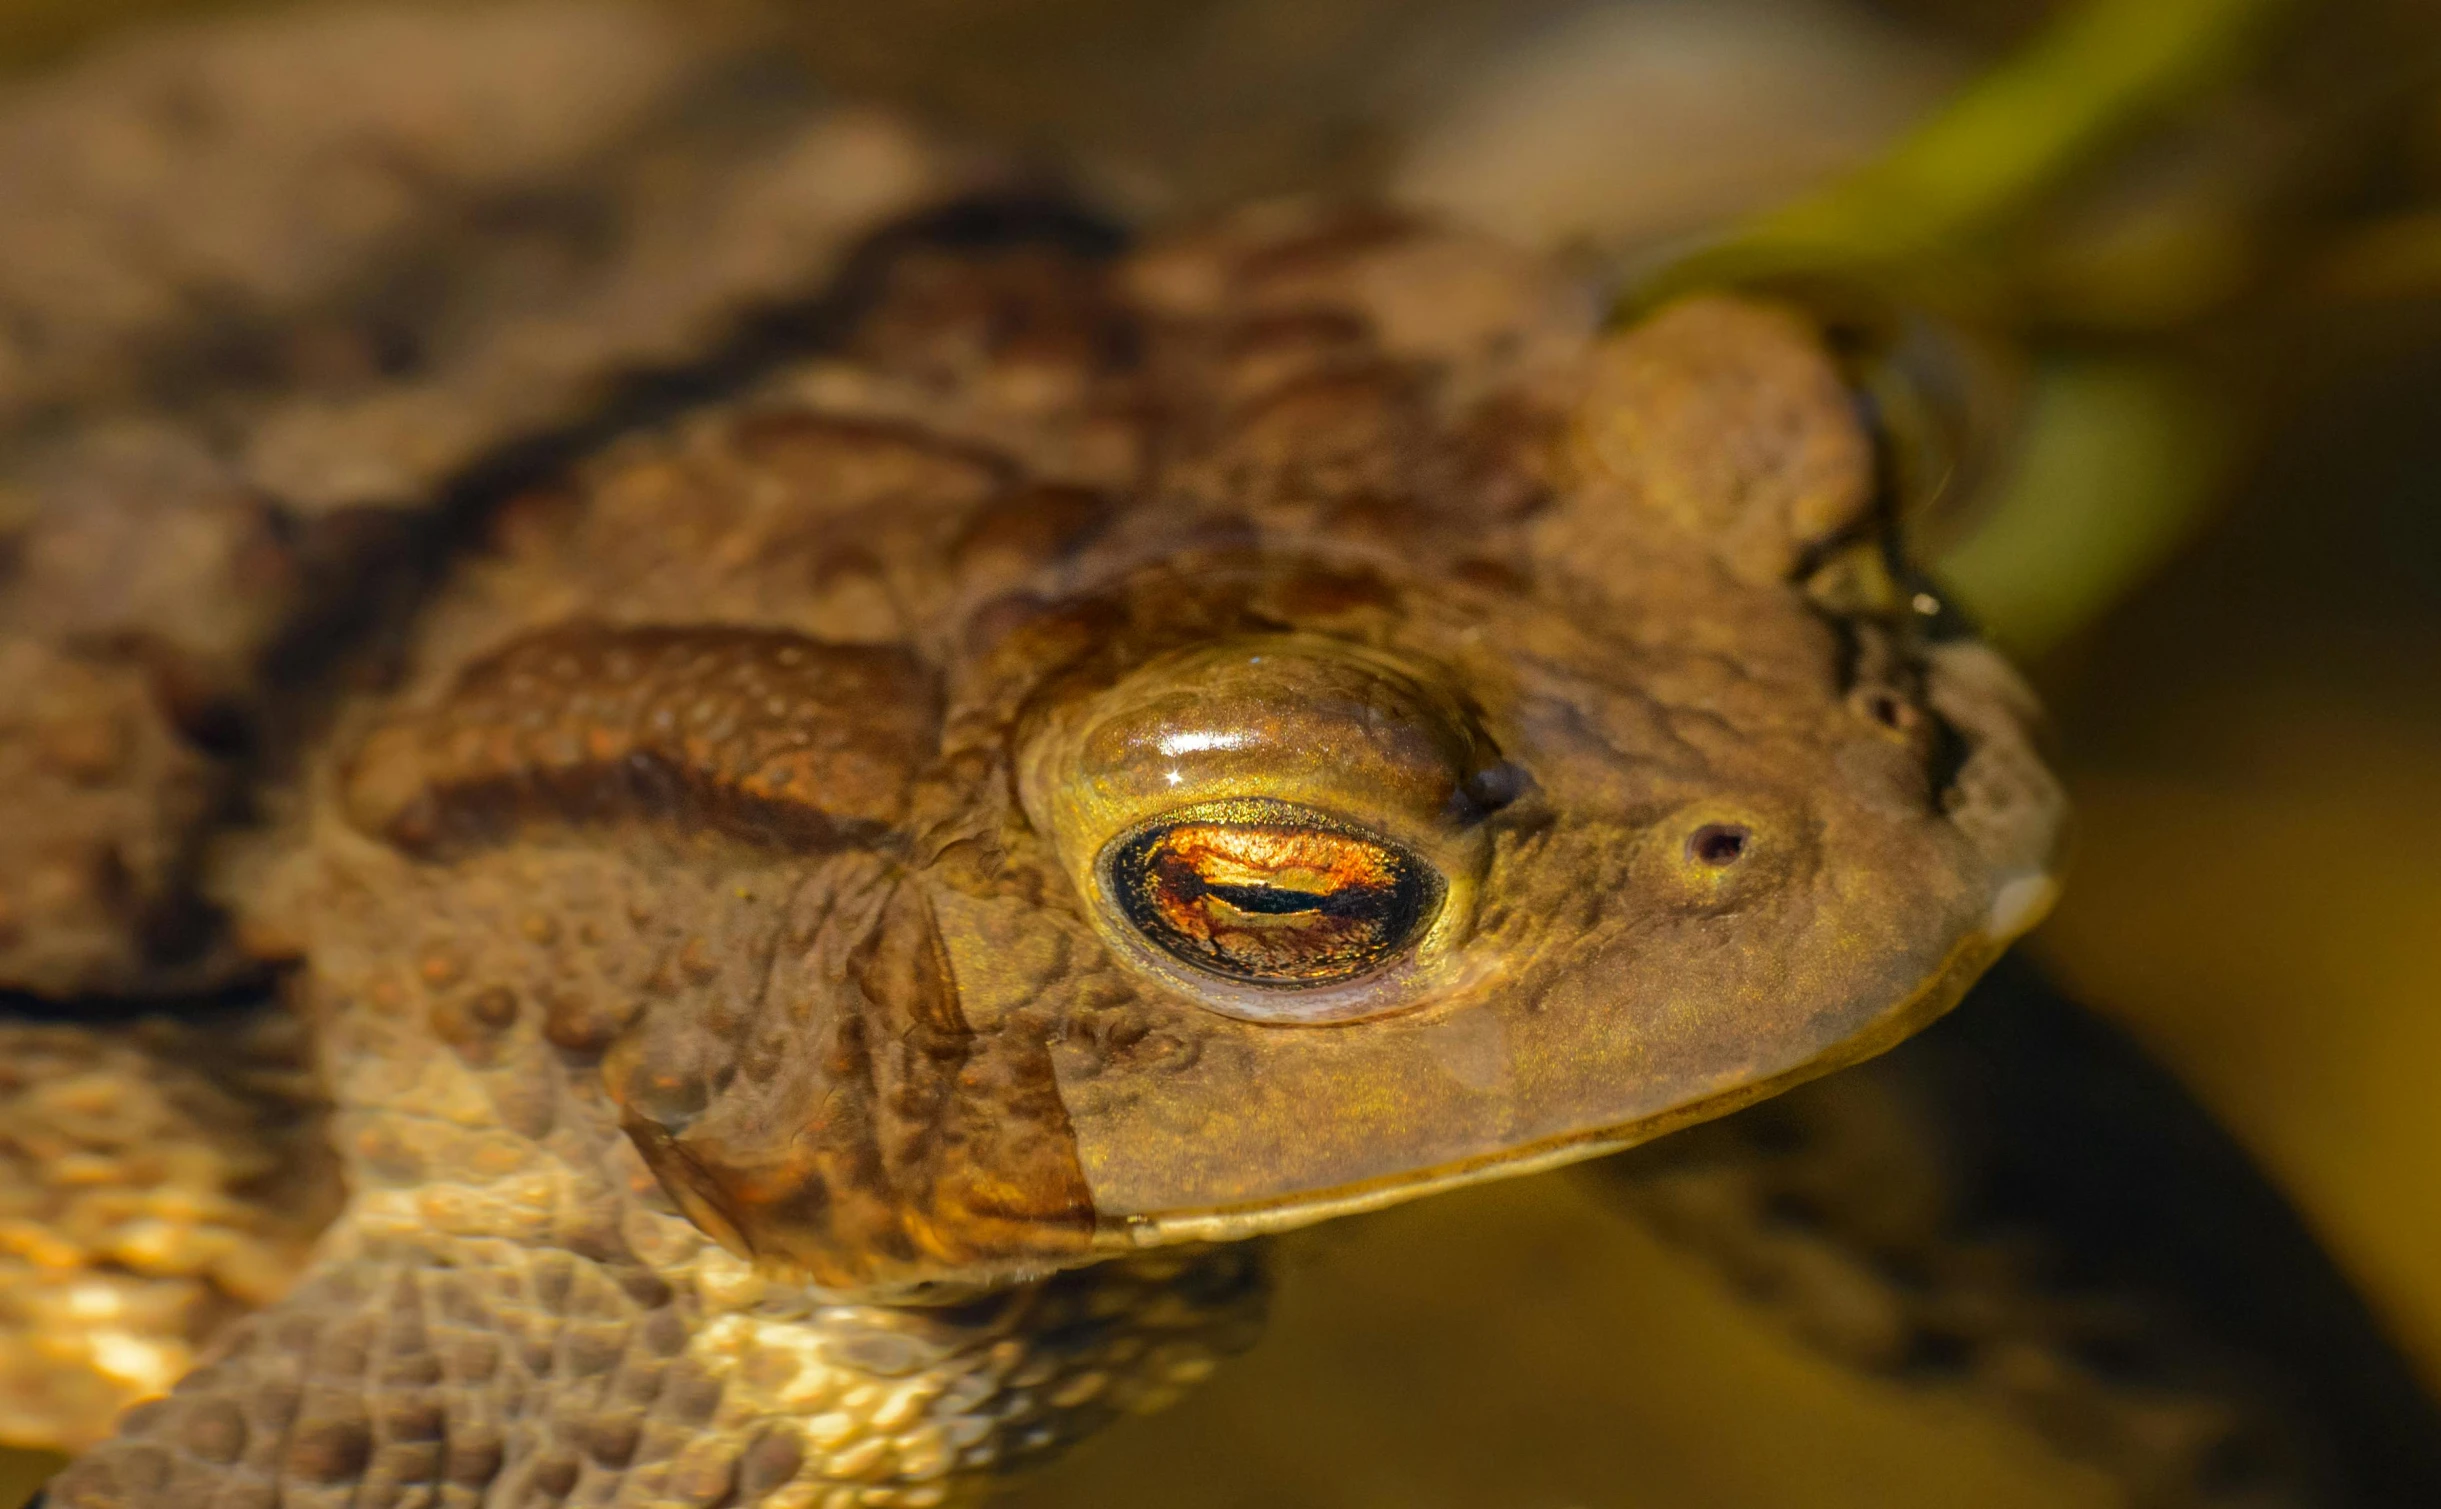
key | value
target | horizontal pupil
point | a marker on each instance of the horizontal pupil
(1271, 903)
(1274, 901)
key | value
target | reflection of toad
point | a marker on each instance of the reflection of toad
(1051, 757)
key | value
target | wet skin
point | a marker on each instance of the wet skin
(858, 886)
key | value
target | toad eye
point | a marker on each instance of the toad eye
(1271, 895)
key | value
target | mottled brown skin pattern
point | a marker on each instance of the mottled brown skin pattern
(156, 1182)
(726, 1031)
(269, 292)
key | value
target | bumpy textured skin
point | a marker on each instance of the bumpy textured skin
(156, 1181)
(720, 1059)
(744, 1097)
(273, 298)
(726, 1070)
(104, 799)
(457, 1365)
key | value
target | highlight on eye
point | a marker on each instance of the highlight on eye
(1270, 894)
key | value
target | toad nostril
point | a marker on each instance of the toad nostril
(1889, 710)
(1718, 844)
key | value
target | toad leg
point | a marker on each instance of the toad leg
(2017, 1210)
(459, 1369)
(158, 1178)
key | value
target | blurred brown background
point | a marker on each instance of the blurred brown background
(2219, 547)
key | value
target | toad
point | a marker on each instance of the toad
(875, 871)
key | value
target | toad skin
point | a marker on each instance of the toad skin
(753, 1081)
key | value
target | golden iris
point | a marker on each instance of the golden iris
(1270, 894)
